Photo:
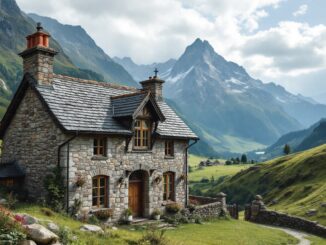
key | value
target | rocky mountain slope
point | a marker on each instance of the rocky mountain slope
(230, 110)
(14, 27)
(84, 52)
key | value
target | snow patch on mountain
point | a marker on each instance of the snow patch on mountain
(180, 76)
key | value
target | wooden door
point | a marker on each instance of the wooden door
(135, 198)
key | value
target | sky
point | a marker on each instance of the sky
(281, 41)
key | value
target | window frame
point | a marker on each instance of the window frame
(169, 148)
(169, 186)
(97, 146)
(142, 141)
(98, 191)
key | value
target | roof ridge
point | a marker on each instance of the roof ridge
(102, 83)
(129, 95)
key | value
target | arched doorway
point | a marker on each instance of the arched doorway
(138, 193)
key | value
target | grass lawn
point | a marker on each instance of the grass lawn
(214, 232)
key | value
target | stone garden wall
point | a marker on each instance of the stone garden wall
(200, 200)
(257, 212)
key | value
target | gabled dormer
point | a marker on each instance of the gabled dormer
(141, 114)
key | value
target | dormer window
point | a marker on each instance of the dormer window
(142, 134)
(99, 147)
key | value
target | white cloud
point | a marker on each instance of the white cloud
(302, 10)
(156, 30)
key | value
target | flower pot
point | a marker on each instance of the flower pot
(157, 217)
(129, 218)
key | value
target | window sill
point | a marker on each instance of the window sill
(99, 158)
(167, 202)
(141, 151)
(168, 157)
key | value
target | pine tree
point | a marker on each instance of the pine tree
(287, 149)
(244, 158)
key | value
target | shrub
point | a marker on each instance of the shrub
(47, 212)
(204, 180)
(173, 208)
(152, 236)
(54, 186)
(103, 214)
(74, 209)
(11, 230)
(93, 220)
(127, 212)
(65, 236)
(11, 200)
(156, 212)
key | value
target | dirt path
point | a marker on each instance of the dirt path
(301, 236)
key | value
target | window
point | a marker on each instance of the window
(142, 134)
(169, 148)
(100, 192)
(168, 185)
(100, 146)
(7, 182)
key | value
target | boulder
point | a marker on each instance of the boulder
(3, 201)
(114, 228)
(40, 234)
(27, 242)
(53, 227)
(92, 228)
(311, 212)
(28, 220)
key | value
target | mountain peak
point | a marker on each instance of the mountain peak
(202, 45)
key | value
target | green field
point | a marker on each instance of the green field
(218, 173)
(214, 232)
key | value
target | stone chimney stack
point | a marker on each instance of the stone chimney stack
(38, 57)
(154, 85)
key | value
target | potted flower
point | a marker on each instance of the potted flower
(128, 214)
(157, 214)
(80, 181)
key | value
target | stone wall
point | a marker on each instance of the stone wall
(32, 140)
(285, 220)
(257, 212)
(118, 165)
(200, 200)
(207, 211)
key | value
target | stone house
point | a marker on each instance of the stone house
(125, 145)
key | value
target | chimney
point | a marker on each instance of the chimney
(38, 57)
(154, 85)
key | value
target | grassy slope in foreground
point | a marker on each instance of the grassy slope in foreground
(230, 232)
(297, 182)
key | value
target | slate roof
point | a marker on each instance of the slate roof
(86, 106)
(126, 105)
(11, 170)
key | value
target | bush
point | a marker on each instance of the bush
(11, 201)
(173, 208)
(156, 212)
(152, 236)
(11, 230)
(103, 214)
(93, 220)
(74, 209)
(127, 212)
(65, 236)
(47, 212)
(204, 180)
(54, 186)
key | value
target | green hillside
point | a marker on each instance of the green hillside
(295, 184)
